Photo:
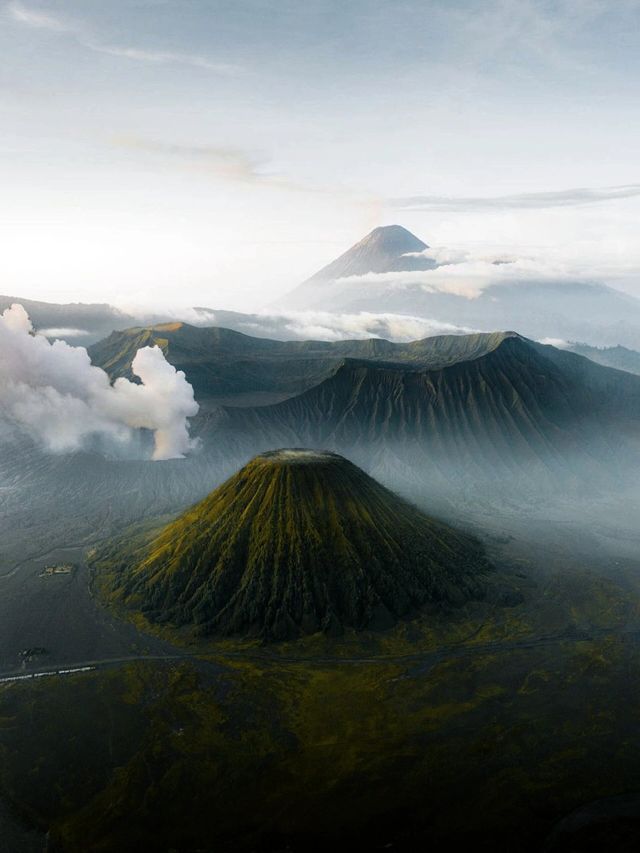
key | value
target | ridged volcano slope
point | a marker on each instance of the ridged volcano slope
(520, 408)
(297, 542)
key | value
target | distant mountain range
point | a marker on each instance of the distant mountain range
(452, 421)
(430, 415)
(77, 322)
(517, 410)
(386, 272)
(383, 286)
(619, 357)
(85, 324)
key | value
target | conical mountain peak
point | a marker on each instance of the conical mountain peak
(393, 239)
(298, 541)
(385, 249)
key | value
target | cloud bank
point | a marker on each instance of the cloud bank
(53, 391)
(327, 326)
(468, 274)
(63, 332)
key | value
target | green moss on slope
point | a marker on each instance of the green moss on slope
(295, 543)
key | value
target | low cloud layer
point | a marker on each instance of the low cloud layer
(53, 391)
(63, 333)
(463, 273)
(328, 326)
(519, 201)
(558, 343)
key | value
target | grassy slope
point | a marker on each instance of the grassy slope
(285, 548)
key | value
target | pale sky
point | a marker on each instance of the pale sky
(217, 153)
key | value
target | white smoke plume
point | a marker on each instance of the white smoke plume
(54, 391)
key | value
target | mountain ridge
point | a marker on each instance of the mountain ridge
(221, 362)
(517, 411)
(618, 357)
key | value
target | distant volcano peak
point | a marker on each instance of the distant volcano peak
(394, 238)
(387, 248)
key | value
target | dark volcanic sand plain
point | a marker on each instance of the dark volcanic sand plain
(58, 614)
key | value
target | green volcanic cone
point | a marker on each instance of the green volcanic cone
(298, 541)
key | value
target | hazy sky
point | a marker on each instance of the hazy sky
(217, 153)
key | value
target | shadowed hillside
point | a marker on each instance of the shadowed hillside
(450, 407)
(520, 408)
(230, 367)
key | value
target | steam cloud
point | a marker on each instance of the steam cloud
(54, 391)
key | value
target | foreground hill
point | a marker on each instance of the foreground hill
(298, 541)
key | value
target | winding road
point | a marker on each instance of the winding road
(427, 659)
